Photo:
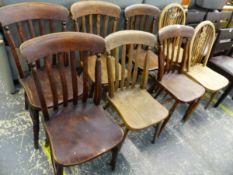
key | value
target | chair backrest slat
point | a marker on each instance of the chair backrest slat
(64, 43)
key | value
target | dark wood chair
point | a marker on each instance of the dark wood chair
(170, 77)
(143, 17)
(77, 132)
(134, 104)
(24, 21)
(199, 52)
(100, 18)
(194, 17)
(221, 58)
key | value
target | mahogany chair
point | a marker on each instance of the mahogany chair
(221, 59)
(134, 104)
(27, 20)
(98, 17)
(143, 17)
(170, 77)
(77, 132)
(199, 52)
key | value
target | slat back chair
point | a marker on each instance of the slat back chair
(21, 22)
(199, 53)
(27, 20)
(172, 14)
(98, 17)
(170, 75)
(221, 59)
(71, 118)
(143, 17)
(128, 95)
(175, 36)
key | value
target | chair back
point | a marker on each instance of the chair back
(98, 17)
(142, 17)
(116, 44)
(62, 44)
(172, 14)
(23, 21)
(201, 44)
(173, 39)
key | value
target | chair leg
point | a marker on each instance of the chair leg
(57, 168)
(106, 106)
(211, 98)
(168, 117)
(192, 107)
(157, 129)
(115, 151)
(124, 137)
(224, 95)
(25, 101)
(34, 113)
(160, 89)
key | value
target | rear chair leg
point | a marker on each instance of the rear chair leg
(211, 98)
(156, 133)
(25, 101)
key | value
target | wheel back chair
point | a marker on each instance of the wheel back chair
(77, 132)
(24, 21)
(199, 52)
(128, 97)
(221, 58)
(170, 77)
(98, 17)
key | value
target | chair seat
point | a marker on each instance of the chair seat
(30, 87)
(78, 134)
(138, 108)
(104, 72)
(182, 87)
(208, 78)
(223, 62)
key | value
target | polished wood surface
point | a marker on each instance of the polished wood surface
(128, 96)
(92, 127)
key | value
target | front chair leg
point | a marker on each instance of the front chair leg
(25, 101)
(57, 168)
(211, 98)
(156, 133)
(34, 113)
(115, 151)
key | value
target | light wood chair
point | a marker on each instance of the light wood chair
(170, 77)
(77, 132)
(98, 17)
(199, 52)
(134, 104)
(23, 21)
(143, 17)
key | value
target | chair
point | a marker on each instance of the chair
(134, 104)
(199, 52)
(194, 17)
(21, 22)
(172, 14)
(98, 17)
(170, 77)
(143, 17)
(77, 132)
(221, 58)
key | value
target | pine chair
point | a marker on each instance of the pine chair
(77, 132)
(98, 17)
(199, 52)
(170, 77)
(134, 104)
(221, 59)
(27, 20)
(143, 17)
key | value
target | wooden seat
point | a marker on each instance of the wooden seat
(199, 53)
(134, 104)
(40, 19)
(143, 111)
(30, 87)
(208, 78)
(97, 17)
(182, 87)
(76, 132)
(172, 62)
(104, 75)
(88, 132)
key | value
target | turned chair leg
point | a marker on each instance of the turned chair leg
(168, 117)
(211, 98)
(156, 133)
(34, 113)
(192, 107)
(25, 101)
(224, 95)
